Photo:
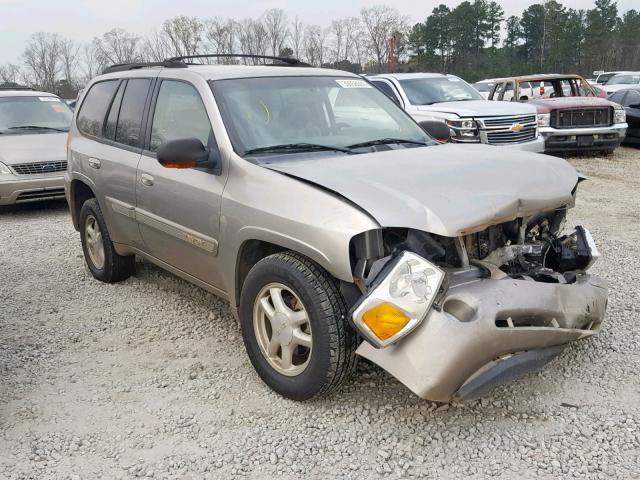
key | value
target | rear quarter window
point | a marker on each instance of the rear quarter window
(94, 107)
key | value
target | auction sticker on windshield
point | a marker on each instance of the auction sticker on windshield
(353, 84)
(48, 99)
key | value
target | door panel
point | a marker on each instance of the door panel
(178, 210)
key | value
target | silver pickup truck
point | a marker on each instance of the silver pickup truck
(333, 225)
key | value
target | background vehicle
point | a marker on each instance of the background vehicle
(629, 98)
(471, 118)
(33, 131)
(332, 223)
(570, 115)
(484, 87)
(601, 78)
(621, 81)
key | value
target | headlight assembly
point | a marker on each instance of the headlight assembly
(619, 115)
(4, 170)
(463, 129)
(399, 301)
(544, 119)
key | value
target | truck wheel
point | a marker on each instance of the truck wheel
(295, 328)
(103, 261)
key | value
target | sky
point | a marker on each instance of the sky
(81, 20)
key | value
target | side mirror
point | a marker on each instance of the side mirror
(437, 129)
(635, 106)
(187, 153)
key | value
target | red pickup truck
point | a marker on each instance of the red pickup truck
(570, 114)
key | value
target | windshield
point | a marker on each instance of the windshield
(33, 115)
(624, 79)
(310, 113)
(426, 91)
(603, 78)
(483, 86)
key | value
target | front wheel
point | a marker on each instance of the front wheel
(295, 328)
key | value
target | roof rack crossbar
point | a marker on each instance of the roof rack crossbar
(123, 67)
(288, 60)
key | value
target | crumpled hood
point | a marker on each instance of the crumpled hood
(447, 189)
(33, 147)
(478, 108)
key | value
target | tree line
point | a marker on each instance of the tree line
(473, 40)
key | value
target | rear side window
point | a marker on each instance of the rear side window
(94, 108)
(112, 119)
(131, 111)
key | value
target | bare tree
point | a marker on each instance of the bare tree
(352, 36)
(252, 37)
(183, 34)
(10, 73)
(338, 29)
(314, 44)
(221, 36)
(380, 22)
(275, 24)
(69, 59)
(91, 65)
(297, 36)
(42, 59)
(117, 46)
(156, 48)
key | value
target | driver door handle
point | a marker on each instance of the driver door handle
(146, 179)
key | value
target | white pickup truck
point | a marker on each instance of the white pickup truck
(471, 118)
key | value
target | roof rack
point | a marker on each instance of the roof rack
(123, 67)
(178, 62)
(16, 87)
(283, 60)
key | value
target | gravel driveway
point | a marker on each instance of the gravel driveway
(149, 377)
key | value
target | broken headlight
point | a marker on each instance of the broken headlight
(619, 115)
(463, 129)
(544, 119)
(399, 301)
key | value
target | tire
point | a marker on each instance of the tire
(113, 267)
(330, 359)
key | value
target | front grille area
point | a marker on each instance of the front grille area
(33, 195)
(508, 121)
(582, 117)
(509, 129)
(504, 138)
(39, 168)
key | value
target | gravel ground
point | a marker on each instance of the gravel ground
(149, 377)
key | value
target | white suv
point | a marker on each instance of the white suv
(471, 118)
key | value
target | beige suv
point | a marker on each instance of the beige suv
(333, 224)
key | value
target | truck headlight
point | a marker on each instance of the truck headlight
(544, 119)
(463, 129)
(619, 115)
(399, 301)
(4, 170)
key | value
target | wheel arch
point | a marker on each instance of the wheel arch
(79, 192)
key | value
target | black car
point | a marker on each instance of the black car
(629, 98)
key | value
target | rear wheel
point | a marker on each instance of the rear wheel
(103, 261)
(294, 326)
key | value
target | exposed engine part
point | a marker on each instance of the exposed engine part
(507, 254)
(576, 251)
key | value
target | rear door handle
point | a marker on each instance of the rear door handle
(146, 179)
(94, 163)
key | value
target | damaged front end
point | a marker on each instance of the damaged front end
(453, 317)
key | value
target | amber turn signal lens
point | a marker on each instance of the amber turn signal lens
(385, 320)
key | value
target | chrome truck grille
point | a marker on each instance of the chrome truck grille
(508, 129)
(39, 168)
(582, 117)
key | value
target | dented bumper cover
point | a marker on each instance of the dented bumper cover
(489, 331)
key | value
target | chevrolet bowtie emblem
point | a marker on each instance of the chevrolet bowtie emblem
(516, 127)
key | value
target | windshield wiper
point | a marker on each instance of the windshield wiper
(385, 141)
(36, 127)
(295, 147)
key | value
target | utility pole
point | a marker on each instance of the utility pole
(392, 53)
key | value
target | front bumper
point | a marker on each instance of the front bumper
(595, 138)
(534, 146)
(460, 351)
(17, 190)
